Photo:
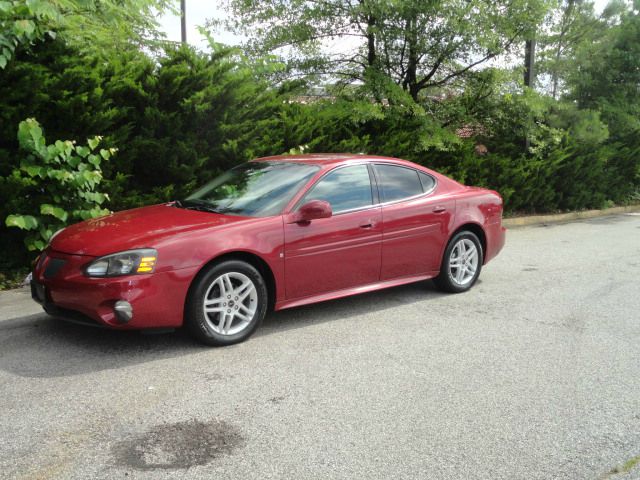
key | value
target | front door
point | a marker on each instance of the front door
(339, 252)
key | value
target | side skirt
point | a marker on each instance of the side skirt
(297, 302)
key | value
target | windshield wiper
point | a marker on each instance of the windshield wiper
(201, 208)
(194, 205)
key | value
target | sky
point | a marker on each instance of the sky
(198, 11)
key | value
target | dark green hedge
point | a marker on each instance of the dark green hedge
(181, 119)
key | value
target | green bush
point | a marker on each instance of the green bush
(182, 117)
(56, 184)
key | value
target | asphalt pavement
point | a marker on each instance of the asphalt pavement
(533, 374)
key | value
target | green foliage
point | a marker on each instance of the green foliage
(100, 24)
(184, 119)
(180, 116)
(609, 75)
(57, 183)
(23, 22)
(417, 44)
(12, 278)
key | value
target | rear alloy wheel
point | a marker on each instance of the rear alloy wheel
(227, 303)
(461, 264)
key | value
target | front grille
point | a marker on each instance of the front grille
(72, 316)
(53, 267)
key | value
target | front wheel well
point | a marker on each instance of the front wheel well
(477, 230)
(253, 260)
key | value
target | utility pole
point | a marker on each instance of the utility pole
(529, 73)
(183, 20)
(529, 62)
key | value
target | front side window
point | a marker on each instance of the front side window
(345, 188)
(398, 182)
(253, 189)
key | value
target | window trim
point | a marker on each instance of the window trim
(376, 187)
(413, 197)
(374, 194)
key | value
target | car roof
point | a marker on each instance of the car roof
(326, 159)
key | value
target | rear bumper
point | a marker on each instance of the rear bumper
(157, 299)
(496, 236)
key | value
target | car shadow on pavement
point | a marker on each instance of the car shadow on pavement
(343, 308)
(38, 346)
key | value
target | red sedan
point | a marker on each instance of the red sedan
(276, 232)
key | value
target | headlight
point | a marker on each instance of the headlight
(130, 262)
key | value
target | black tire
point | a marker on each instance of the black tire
(203, 326)
(445, 281)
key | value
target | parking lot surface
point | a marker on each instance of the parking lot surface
(533, 374)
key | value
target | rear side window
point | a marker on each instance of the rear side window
(428, 182)
(398, 182)
(345, 188)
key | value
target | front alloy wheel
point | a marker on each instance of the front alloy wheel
(230, 303)
(227, 303)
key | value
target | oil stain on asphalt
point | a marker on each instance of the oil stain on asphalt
(178, 445)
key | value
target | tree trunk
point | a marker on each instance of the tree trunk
(371, 41)
(410, 82)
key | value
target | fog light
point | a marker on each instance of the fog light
(123, 310)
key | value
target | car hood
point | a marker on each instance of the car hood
(138, 228)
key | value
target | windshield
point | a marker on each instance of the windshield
(253, 189)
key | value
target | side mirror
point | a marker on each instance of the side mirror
(312, 210)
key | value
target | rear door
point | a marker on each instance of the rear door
(415, 221)
(342, 251)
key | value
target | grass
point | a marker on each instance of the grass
(626, 467)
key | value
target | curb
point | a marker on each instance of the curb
(566, 217)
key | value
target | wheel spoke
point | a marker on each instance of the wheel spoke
(243, 307)
(242, 317)
(223, 291)
(460, 274)
(244, 290)
(221, 320)
(226, 319)
(228, 286)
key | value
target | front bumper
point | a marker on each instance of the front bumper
(157, 300)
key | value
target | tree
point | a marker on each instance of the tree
(568, 26)
(607, 76)
(418, 44)
(94, 24)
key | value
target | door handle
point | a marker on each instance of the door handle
(438, 209)
(369, 224)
